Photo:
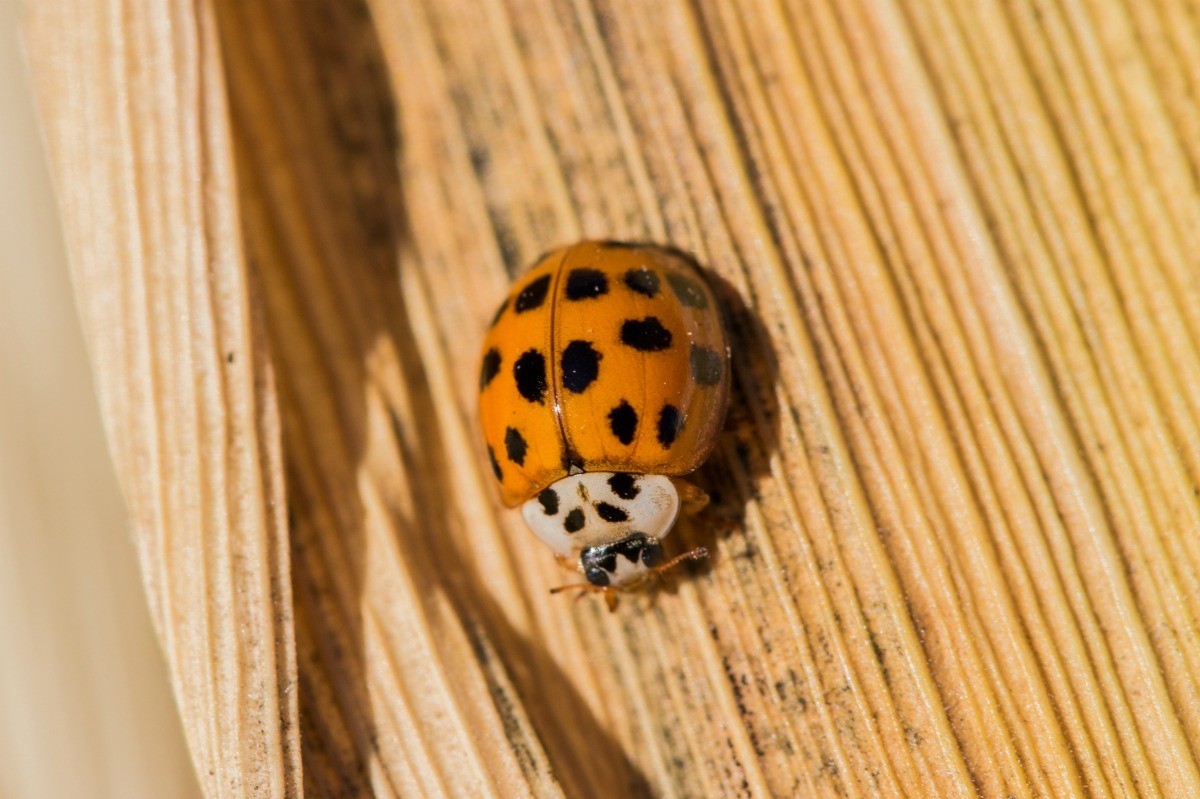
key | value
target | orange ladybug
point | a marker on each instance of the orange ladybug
(603, 380)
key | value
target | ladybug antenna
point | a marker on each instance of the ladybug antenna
(699, 553)
(577, 586)
(610, 595)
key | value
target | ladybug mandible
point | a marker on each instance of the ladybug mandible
(604, 378)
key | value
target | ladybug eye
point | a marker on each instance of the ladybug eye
(597, 576)
(652, 554)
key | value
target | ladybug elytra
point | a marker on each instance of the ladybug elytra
(605, 379)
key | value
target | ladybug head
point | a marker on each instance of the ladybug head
(621, 563)
(613, 522)
(625, 564)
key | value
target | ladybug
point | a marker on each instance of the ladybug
(603, 380)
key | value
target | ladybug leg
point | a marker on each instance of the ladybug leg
(567, 563)
(692, 497)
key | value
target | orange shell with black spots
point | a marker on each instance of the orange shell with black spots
(605, 357)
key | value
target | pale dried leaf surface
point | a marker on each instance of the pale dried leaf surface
(82, 681)
(957, 506)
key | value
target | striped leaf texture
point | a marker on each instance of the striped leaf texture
(956, 507)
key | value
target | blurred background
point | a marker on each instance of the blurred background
(85, 707)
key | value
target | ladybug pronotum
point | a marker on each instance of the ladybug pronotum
(604, 379)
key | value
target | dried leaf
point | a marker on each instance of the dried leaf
(954, 535)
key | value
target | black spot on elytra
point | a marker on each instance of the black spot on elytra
(549, 500)
(647, 335)
(688, 290)
(533, 295)
(500, 312)
(495, 464)
(611, 513)
(514, 445)
(623, 420)
(670, 422)
(490, 367)
(580, 366)
(707, 365)
(530, 373)
(574, 521)
(643, 281)
(586, 284)
(609, 244)
(624, 485)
